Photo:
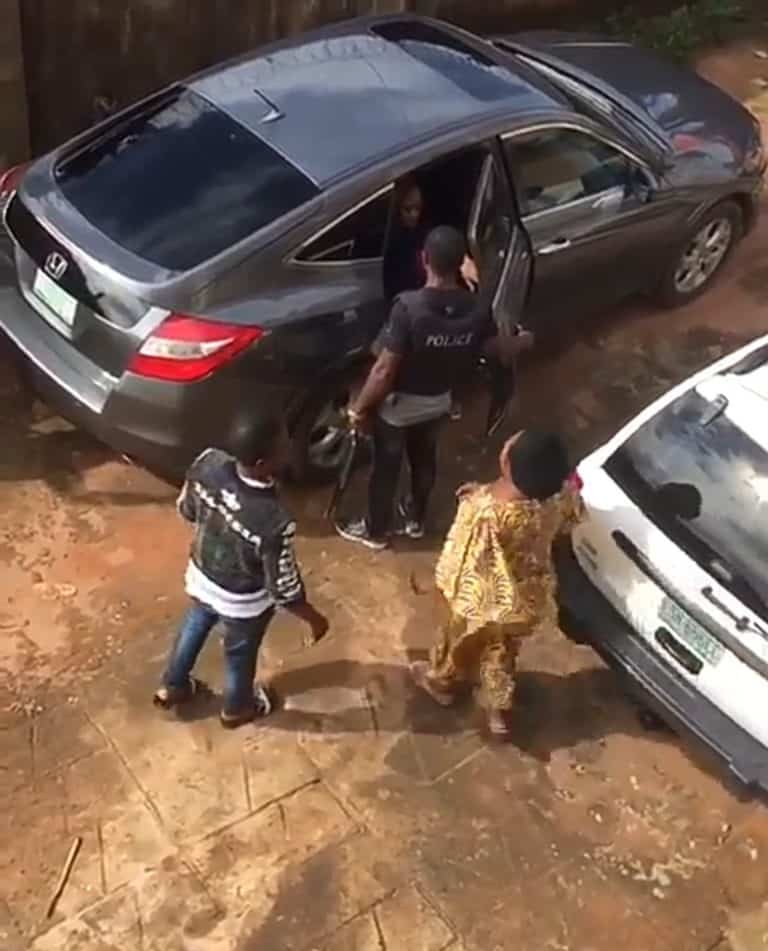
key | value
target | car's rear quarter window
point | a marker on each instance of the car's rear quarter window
(703, 481)
(181, 182)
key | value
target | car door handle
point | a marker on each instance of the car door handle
(562, 244)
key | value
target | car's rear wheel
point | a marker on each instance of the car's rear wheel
(703, 254)
(318, 436)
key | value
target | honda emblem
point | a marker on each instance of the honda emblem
(56, 265)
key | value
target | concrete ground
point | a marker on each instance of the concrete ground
(359, 818)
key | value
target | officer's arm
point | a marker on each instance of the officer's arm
(501, 348)
(380, 383)
(505, 349)
(395, 343)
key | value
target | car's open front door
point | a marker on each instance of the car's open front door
(502, 254)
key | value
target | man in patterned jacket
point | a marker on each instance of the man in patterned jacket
(242, 567)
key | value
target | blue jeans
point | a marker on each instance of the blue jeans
(242, 640)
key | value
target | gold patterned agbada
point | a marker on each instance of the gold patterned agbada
(496, 576)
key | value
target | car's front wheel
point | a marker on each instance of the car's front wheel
(703, 255)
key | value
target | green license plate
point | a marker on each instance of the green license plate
(691, 633)
(62, 304)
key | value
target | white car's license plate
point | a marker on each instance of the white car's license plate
(691, 632)
(62, 304)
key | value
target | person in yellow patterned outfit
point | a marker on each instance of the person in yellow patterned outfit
(495, 573)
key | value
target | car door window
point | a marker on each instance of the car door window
(490, 222)
(499, 246)
(554, 168)
(359, 236)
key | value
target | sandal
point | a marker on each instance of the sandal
(166, 698)
(420, 675)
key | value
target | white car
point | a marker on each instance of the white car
(668, 575)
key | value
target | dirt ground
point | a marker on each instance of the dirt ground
(359, 818)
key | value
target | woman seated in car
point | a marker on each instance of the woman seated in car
(404, 259)
(403, 262)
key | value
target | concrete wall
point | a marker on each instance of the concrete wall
(14, 132)
(78, 52)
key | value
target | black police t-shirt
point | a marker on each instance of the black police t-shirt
(438, 333)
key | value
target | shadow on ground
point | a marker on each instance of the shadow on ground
(553, 712)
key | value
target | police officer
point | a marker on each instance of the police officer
(432, 341)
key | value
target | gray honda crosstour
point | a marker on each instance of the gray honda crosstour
(220, 245)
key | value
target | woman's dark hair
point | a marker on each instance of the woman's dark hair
(538, 464)
(253, 439)
(404, 186)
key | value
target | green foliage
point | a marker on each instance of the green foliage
(680, 32)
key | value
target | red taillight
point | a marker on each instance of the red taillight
(11, 179)
(575, 481)
(184, 349)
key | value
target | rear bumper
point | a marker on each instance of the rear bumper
(595, 621)
(168, 457)
(162, 425)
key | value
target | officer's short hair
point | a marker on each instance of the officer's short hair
(254, 438)
(444, 250)
(538, 464)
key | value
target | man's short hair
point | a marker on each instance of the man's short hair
(254, 438)
(538, 464)
(445, 249)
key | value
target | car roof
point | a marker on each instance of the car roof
(340, 98)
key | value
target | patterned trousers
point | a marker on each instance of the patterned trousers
(465, 657)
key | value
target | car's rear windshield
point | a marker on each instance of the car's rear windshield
(704, 482)
(180, 181)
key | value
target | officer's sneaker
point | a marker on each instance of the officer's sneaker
(357, 531)
(411, 528)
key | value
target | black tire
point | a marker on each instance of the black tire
(571, 626)
(313, 463)
(670, 293)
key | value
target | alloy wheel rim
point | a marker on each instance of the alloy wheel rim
(703, 256)
(326, 438)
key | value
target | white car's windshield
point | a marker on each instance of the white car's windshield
(704, 483)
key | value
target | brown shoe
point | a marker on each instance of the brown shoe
(420, 675)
